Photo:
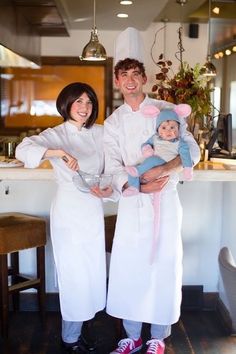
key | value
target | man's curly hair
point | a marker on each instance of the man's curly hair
(127, 64)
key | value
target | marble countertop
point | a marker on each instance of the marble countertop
(204, 171)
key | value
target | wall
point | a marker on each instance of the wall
(195, 51)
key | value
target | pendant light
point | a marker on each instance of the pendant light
(94, 51)
(209, 68)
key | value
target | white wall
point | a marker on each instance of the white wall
(195, 49)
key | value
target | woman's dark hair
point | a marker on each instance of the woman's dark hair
(128, 64)
(70, 94)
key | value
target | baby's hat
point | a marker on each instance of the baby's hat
(166, 114)
(178, 111)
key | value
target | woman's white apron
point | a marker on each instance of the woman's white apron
(77, 235)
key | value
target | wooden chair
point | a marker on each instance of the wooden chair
(19, 232)
(227, 267)
(110, 224)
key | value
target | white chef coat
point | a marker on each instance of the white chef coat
(76, 218)
(138, 289)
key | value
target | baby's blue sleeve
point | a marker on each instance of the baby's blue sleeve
(184, 153)
(148, 142)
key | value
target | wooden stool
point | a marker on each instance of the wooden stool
(110, 225)
(19, 232)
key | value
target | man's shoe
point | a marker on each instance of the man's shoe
(155, 346)
(128, 346)
(81, 346)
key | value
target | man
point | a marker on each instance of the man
(140, 290)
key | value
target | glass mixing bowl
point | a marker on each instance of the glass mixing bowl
(84, 181)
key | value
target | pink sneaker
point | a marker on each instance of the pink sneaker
(132, 171)
(128, 346)
(155, 346)
(188, 173)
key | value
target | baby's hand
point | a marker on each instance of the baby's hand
(147, 151)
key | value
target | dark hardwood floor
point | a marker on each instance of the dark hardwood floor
(197, 332)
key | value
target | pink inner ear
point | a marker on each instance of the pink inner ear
(183, 110)
(150, 111)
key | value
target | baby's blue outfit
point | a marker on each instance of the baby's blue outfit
(164, 150)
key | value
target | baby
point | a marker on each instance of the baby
(162, 147)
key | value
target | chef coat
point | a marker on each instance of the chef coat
(76, 218)
(138, 289)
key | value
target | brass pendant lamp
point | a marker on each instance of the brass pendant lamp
(94, 50)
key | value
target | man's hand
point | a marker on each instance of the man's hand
(154, 186)
(166, 169)
(152, 174)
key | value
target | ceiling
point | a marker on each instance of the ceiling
(58, 17)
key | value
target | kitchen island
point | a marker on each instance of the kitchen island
(203, 172)
(209, 220)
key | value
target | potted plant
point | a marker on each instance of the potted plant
(188, 85)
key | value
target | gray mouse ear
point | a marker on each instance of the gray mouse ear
(183, 110)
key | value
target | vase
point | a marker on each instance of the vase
(200, 127)
(194, 125)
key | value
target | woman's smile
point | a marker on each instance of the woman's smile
(81, 110)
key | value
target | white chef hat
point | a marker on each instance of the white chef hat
(129, 44)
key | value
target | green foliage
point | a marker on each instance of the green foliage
(188, 85)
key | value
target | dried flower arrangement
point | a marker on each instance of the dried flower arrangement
(188, 85)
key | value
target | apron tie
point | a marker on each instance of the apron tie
(156, 207)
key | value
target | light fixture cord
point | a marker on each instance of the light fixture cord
(179, 54)
(180, 48)
(209, 29)
(94, 14)
(164, 51)
(154, 43)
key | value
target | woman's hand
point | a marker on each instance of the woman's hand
(101, 193)
(70, 161)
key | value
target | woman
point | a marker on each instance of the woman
(76, 218)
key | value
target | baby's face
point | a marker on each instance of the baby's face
(169, 130)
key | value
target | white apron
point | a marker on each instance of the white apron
(141, 290)
(76, 219)
(77, 233)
